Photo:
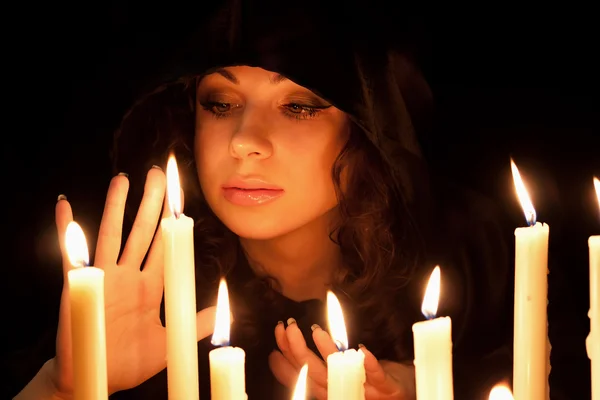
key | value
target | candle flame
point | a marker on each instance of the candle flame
(77, 248)
(526, 204)
(501, 392)
(432, 294)
(220, 335)
(597, 187)
(173, 187)
(337, 326)
(300, 391)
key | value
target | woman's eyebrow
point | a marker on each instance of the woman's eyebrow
(275, 79)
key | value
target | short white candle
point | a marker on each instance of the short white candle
(227, 375)
(500, 392)
(88, 330)
(433, 347)
(345, 368)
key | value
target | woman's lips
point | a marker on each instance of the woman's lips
(251, 197)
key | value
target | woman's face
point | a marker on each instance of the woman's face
(264, 148)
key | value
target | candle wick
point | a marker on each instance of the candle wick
(177, 214)
(531, 219)
(81, 264)
(429, 316)
(339, 345)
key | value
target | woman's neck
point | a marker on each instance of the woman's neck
(302, 261)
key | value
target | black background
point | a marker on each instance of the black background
(506, 83)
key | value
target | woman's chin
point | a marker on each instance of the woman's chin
(263, 229)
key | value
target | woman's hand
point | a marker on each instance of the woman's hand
(135, 337)
(384, 380)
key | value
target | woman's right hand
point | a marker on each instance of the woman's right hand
(135, 336)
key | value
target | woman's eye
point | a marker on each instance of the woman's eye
(221, 107)
(300, 111)
(296, 108)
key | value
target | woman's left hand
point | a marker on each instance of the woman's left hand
(384, 380)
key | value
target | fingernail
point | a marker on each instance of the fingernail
(279, 322)
(361, 346)
(61, 197)
(157, 167)
(314, 327)
(291, 321)
(125, 174)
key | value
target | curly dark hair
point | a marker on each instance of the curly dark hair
(379, 245)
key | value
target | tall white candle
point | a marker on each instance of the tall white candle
(180, 295)
(593, 340)
(88, 330)
(433, 347)
(345, 368)
(227, 375)
(531, 346)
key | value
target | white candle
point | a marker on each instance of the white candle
(593, 340)
(346, 368)
(500, 392)
(300, 390)
(227, 376)
(531, 361)
(433, 347)
(180, 295)
(88, 330)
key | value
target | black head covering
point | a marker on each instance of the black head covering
(325, 47)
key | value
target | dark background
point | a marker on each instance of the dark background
(505, 82)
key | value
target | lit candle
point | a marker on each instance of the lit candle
(501, 392)
(180, 295)
(300, 391)
(227, 376)
(593, 340)
(433, 347)
(345, 368)
(88, 330)
(531, 361)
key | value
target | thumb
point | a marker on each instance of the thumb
(205, 322)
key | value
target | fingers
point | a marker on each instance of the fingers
(283, 370)
(287, 375)
(323, 341)
(205, 322)
(111, 227)
(156, 256)
(379, 384)
(146, 219)
(283, 344)
(317, 371)
(155, 260)
(373, 369)
(63, 215)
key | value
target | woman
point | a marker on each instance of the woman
(300, 163)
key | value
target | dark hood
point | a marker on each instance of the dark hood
(348, 55)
